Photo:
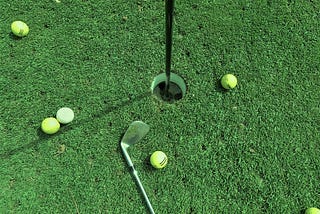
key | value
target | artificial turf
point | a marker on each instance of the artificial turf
(254, 149)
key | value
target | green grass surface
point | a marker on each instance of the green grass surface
(254, 149)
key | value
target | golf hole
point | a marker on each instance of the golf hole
(177, 88)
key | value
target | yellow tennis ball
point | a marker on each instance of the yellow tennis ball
(229, 81)
(312, 210)
(19, 28)
(158, 159)
(50, 125)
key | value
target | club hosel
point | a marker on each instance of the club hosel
(133, 170)
(127, 157)
(130, 164)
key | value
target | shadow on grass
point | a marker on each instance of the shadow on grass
(64, 128)
(14, 37)
(219, 88)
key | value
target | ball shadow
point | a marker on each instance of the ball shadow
(14, 37)
(218, 86)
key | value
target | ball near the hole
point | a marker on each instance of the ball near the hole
(158, 159)
(50, 125)
(65, 115)
(312, 210)
(19, 28)
(229, 81)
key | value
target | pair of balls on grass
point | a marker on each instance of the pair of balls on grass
(19, 28)
(51, 125)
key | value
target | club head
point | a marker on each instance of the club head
(136, 131)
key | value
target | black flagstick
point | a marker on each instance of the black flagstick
(169, 17)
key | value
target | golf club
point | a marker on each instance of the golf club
(136, 131)
(169, 17)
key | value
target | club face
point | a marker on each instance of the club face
(136, 131)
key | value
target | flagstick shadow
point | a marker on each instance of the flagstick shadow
(64, 128)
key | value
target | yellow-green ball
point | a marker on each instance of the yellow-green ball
(50, 125)
(19, 28)
(312, 210)
(229, 81)
(158, 159)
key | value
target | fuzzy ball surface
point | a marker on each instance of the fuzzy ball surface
(229, 81)
(312, 210)
(50, 125)
(19, 28)
(158, 159)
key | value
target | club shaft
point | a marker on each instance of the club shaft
(136, 176)
(169, 19)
